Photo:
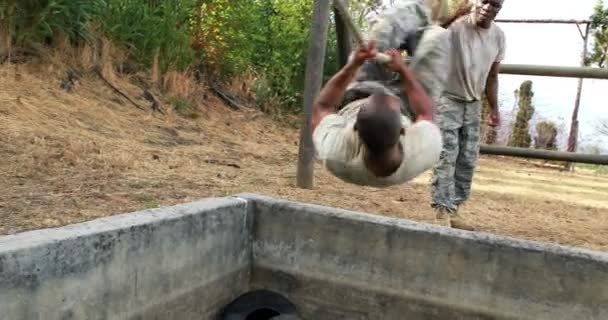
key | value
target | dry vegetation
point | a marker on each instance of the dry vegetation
(71, 157)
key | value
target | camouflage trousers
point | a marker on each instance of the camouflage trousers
(405, 26)
(460, 124)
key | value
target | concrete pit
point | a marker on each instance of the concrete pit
(191, 261)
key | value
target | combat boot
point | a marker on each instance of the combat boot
(443, 216)
(457, 221)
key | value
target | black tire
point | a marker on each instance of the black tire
(260, 305)
(286, 317)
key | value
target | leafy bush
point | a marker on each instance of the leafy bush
(144, 27)
(31, 23)
(218, 38)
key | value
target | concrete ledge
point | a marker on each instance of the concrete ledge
(155, 264)
(337, 264)
(189, 261)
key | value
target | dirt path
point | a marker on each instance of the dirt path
(68, 158)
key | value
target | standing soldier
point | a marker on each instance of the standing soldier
(477, 48)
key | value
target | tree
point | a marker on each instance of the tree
(361, 10)
(546, 136)
(602, 127)
(520, 137)
(599, 28)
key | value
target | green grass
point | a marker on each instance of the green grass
(182, 106)
(597, 169)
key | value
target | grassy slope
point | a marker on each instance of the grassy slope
(72, 157)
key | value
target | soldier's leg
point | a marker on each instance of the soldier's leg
(398, 27)
(442, 186)
(469, 152)
(449, 116)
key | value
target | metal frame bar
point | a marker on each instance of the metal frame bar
(545, 154)
(554, 71)
(548, 21)
(572, 137)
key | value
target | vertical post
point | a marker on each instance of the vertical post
(312, 86)
(573, 137)
(343, 37)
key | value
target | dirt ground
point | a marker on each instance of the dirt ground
(73, 157)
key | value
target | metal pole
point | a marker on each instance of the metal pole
(343, 37)
(572, 139)
(557, 21)
(555, 71)
(544, 154)
(312, 86)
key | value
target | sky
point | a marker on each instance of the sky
(552, 44)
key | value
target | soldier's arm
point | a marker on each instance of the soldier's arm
(333, 91)
(491, 90)
(419, 100)
(492, 86)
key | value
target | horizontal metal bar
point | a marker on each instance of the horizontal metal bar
(560, 21)
(545, 154)
(555, 71)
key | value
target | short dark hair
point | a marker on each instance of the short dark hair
(378, 124)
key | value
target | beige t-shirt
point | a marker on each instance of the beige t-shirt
(473, 51)
(339, 147)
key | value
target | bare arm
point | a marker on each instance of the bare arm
(417, 97)
(492, 92)
(332, 92)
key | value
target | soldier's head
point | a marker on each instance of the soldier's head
(485, 11)
(379, 127)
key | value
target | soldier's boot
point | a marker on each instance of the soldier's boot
(443, 216)
(458, 221)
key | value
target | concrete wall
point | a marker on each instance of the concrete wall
(184, 262)
(187, 262)
(336, 264)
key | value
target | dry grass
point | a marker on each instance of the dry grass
(72, 157)
(179, 84)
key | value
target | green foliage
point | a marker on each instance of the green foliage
(221, 38)
(271, 37)
(144, 26)
(139, 26)
(182, 106)
(599, 28)
(286, 61)
(520, 137)
(231, 36)
(31, 23)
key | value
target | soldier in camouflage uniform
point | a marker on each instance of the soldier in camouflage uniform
(478, 47)
(408, 25)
